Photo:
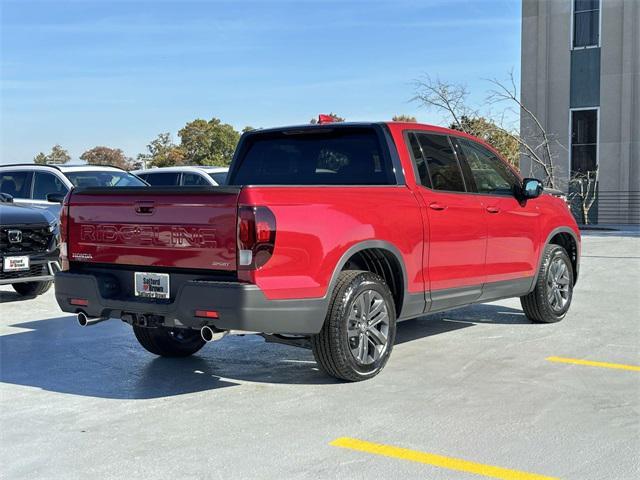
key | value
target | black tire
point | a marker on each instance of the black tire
(332, 347)
(32, 289)
(169, 342)
(538, 306)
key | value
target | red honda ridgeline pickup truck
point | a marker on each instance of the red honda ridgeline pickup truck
(328, 234)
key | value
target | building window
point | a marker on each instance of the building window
(584, 140)
(586, 23)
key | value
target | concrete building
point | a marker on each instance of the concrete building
(581, 78)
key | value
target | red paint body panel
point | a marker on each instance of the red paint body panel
(317, 225)
(472, 240)
(194, 231)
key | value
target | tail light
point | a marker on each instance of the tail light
(64, 222)
(256, 236)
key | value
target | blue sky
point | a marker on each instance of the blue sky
(85, 73)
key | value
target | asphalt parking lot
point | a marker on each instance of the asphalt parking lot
(466, 393)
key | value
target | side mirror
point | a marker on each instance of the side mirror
(531, 188)
(6, 198)
(55, 197)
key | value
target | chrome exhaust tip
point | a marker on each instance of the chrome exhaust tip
(212, 334)
(84, 320)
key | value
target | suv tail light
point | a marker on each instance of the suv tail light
(256, 236)
(64, 223)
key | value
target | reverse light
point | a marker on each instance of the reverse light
(256, 236)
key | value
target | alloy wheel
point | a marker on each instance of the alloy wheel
(558, 285)
(368, 327)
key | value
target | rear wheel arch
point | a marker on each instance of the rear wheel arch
(379, 257)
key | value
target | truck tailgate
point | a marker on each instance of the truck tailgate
(192, 228)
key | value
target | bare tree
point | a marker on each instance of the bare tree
(451, 98)
(583, 190)
(537, 146)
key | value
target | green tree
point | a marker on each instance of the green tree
(404, 118)
(57, 156)
(505, 142)
(107, 156)
(162, 152)
(208, 142)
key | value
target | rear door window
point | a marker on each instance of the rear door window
(193, 179)
(341, 156)
(442, 163)
(163, 178)
(46, 183)
(16, 183)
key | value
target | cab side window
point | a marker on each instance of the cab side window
(193, 180)
(15, 183)
(46, 183)
(490, 174)
(442, 163)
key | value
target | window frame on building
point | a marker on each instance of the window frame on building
(572, 45)
(570, 143)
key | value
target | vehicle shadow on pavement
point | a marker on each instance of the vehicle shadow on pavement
(7, 297)
(105, 360)
(451, 320)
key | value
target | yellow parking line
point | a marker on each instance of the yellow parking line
(435, 460)
(589, 363)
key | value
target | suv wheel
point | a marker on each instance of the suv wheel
(169, 342)
(32, 289)
(551, 297)
(360, 328)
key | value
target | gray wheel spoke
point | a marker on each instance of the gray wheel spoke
(378, 305)
(361, 305)
(382, 318)
(558, 298)
(379, 338)
(362, 348)
(367, 303)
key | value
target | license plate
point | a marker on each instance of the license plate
(152, 285)
(15, 264)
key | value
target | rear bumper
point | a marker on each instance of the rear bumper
(239, 306)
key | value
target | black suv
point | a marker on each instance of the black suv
(29, 247)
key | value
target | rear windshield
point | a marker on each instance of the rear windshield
(96, 178)
(343, 156)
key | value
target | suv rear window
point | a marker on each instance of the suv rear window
(16, 184)
(161, 178)
(341, 156)
(96, 178)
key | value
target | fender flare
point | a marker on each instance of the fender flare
(552, 234)
(364, 245)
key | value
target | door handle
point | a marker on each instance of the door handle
(145, 208)
(491, 209)
(437, 206)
